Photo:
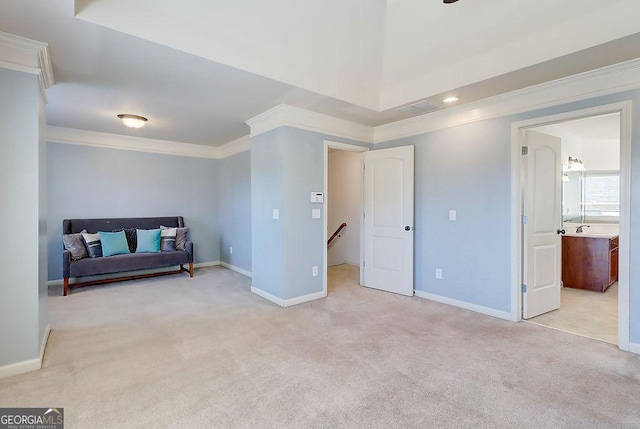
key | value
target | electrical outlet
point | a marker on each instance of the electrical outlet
(452, 215)
(276, 214)
(314, 271)
(439, 273)
(230, 250)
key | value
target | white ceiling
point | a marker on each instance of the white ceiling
(199, 69)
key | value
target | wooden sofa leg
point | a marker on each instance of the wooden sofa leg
(191, 269)
(65, 286)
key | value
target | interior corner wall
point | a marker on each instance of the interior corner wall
(287, 164)
(267, 195)
(344, 205)
(43, 248)
(93, 182)
(467, 168)
(22, 210)
(235, 210)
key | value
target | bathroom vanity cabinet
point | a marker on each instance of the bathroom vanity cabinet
(589, 263)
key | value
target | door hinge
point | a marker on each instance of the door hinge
(524, 219)
(523, 288)
(525, 150)
(364, 264)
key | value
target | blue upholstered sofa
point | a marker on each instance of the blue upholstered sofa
(124, 262)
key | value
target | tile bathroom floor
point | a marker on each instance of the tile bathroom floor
(586, 313)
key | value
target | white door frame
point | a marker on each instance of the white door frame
(342, 146)
(624, 108)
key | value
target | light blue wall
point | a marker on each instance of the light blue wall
(235, 210)
(303, 236)
(23, 287)
(267, 234)
(467, 168)
(287, 164)
(90, 182)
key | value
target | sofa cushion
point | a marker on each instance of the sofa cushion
(148, 240)
(75, 245)
(168, 239)
(92, 242)
(113, 243)
(128, 262)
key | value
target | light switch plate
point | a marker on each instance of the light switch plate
(315, 213)
(276, 214)
(452, 215)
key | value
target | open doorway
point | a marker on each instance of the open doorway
(595, 207)
(590, 191)
(343, 209)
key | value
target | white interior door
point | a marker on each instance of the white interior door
(543, 211)
(388, 220)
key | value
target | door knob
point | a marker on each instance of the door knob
(407, 228)
(560, 231)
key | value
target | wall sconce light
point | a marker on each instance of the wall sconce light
(575, 164)
(132, 121)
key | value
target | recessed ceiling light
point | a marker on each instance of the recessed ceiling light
(451, 99)
(132, 121)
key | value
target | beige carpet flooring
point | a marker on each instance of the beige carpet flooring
(583, 312)
(176, 352)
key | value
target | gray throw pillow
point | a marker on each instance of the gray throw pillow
(74, 244)
(181, 236)
(94, 246)
(168, 239)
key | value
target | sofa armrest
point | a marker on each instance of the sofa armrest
(188, 246)
(66, 263)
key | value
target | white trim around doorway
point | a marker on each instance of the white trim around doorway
(625, 111)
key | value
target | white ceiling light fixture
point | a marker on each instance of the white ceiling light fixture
(132, 121)
(450, 100)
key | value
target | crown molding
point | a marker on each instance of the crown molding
(284, 115)
(242, 144)
(26, 55)
(607, 80)
(117, 141)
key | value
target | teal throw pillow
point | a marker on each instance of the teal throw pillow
(148, 240)
(113, 243)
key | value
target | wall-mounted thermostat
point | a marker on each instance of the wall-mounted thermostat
(317, 197)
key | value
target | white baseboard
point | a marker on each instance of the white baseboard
(268, 296)
(354, 263)
(20, 367)
(27, 365)
(467, 306)
(304, 298)
(288, 302)
(236, 269)
(634, 348)
(206, 264)
(43, 344)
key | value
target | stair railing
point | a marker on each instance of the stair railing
(335, 234)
